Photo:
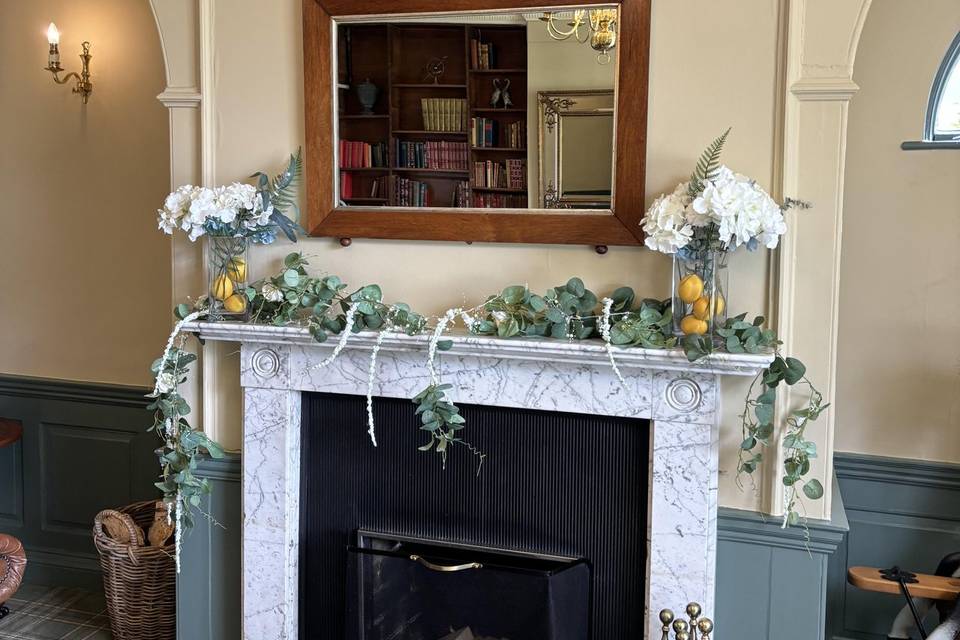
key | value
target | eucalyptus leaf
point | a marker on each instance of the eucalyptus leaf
(813, 489)
(291, 278)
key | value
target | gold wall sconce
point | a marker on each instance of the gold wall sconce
(83, 86)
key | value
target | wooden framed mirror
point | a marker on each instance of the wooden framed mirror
(423, 118)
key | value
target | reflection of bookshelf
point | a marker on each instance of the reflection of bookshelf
(505, 59)
(394, 58)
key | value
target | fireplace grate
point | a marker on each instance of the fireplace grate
(428, 590)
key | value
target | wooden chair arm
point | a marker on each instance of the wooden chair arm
(927, 586)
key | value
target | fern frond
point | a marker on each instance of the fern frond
(283, 186)
(708, 165)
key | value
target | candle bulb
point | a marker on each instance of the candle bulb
(53, 56)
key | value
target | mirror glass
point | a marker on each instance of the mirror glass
(496, 110)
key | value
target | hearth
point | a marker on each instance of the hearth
(429, 590)
(554, 488)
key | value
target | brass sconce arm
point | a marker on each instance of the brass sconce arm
(83, 85)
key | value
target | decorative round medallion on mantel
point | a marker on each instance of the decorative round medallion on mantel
(683, 394)
(265, 363)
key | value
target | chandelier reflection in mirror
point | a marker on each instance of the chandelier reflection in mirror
(602, 34)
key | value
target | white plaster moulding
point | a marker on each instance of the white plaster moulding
(181, 97)
(586, 352)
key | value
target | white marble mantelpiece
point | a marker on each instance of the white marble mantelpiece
(681, 400)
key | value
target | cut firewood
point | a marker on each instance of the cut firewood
(161, 529)
(119, 527)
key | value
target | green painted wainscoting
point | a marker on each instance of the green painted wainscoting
(769, 584)
(772, 582)
(85, 447)
(208, 588)
(901, 511)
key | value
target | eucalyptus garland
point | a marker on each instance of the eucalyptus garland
(328, 307)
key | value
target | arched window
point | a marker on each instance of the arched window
(941, 127)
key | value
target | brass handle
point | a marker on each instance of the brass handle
(448, 568)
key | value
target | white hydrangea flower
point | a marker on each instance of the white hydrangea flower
(234, 199)
(203, 206)
(166, 222)
(665, 224)
(271, 293)
(743, 212)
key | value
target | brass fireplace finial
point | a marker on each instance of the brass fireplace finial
(684, 630)
(680, 626)
(693, 611)
(666, 617)
(706, 628)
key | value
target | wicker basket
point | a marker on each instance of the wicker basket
(140, 582)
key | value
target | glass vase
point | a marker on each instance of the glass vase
(227, 262)
(700, 299)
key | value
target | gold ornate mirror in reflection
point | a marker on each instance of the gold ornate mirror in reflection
(576, 133)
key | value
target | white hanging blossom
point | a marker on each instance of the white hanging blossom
(344, 336)
(468, 320)
(165, 383)
(435, 338)
(371, 377)
(605, 334)
(157, 387)
(178, 530)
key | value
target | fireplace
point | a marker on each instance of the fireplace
(553, 485)
(662, 399)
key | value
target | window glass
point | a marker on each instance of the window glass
(948, 111)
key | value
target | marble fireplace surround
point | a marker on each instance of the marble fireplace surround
(680, 399)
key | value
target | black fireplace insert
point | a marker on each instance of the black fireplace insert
(553, 487)
(418, 590)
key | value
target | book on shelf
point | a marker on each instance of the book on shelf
(380, 187)
(510, 174)
(515, 135)
(444, 114)
(461, 195)
(361, 155)
(432, 154)
(516, 173)
(488, 132)
(346, 185)
(499, 201)
(411, 193)
(483, 132)
(482, 55)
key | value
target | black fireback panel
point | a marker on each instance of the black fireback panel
(551, 483)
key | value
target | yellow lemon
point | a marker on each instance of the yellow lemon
(222, 287)
(235, 303)
(237, 270)
(701, 308)
(690, 288)
(691, 325)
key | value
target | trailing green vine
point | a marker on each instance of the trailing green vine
(757, 418)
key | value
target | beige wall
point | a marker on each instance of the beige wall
(259, 119)
(86, 286)
(898, 390)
